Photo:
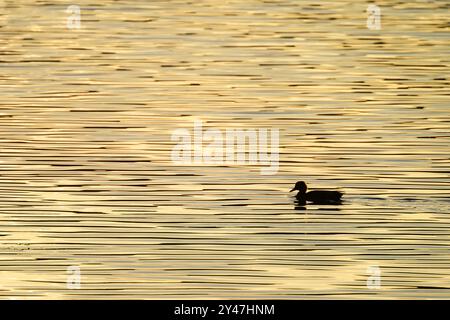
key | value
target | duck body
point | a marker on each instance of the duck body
(317, 196)
(320, 196)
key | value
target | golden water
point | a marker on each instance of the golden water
(86, 177)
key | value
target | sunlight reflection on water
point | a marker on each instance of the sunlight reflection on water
(86, 177)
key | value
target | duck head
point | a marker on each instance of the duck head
(300, 186)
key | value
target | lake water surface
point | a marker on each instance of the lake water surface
(86, 177)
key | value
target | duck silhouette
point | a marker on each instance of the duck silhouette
(317, 197)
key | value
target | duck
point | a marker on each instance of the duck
(317, 196)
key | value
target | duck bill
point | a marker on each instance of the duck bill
(292, 189)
